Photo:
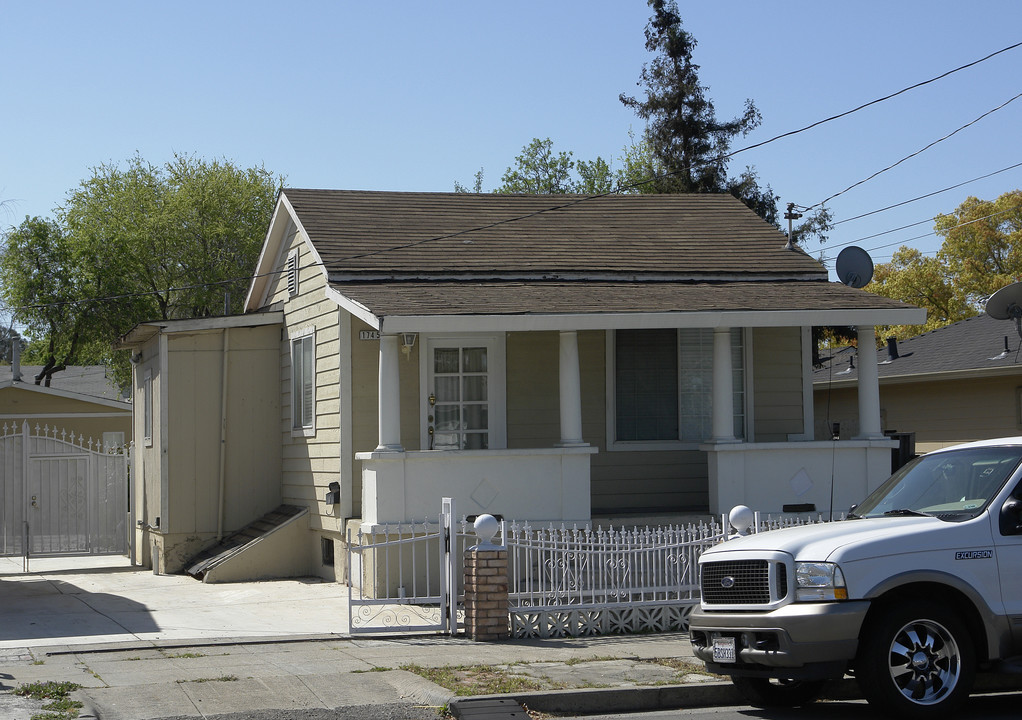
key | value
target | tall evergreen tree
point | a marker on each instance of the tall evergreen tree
(687, 143)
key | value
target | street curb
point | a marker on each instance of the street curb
(669, 697)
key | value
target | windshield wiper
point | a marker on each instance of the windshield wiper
(908, 512)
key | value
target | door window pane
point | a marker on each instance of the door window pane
(461, 387)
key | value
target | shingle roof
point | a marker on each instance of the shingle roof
(511, 298)
(91, 380)
(457, 233)
(976, 344)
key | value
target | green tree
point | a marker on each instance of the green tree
(136, 243)
(980, 254)
(683, 132)
(38, 276)
(477, 184)
(982, 246)
(539, 170)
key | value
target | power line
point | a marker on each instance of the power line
(917, 152)
(716, 160)
(931, 194)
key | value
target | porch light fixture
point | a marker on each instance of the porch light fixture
(407, 343)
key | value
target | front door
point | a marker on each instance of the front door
(464, 387)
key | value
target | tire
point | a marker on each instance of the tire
(916, 660)
(770, 693)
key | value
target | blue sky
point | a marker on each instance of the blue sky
(415, 96)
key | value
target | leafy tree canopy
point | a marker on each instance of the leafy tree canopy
(981, 253)
(131, 244)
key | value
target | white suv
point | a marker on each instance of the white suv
(915, 592)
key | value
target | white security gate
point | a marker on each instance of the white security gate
(61, 494)
(405, 578)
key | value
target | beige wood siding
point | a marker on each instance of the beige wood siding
(310, 464)
(776, 383)
(533, 403)
(64, 414)
(940, 413)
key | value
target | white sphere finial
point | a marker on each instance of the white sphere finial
(741, 519)
(486, 527)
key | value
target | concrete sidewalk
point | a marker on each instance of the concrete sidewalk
(144, 646)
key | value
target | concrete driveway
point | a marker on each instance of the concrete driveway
(88, 600)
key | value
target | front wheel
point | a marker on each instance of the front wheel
(770, 693)
(916, 661)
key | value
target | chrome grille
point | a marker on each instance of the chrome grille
(737, 582)
(781, 580)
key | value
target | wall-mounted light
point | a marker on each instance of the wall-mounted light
(333, 495)
(407, 343)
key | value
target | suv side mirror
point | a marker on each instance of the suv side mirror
(1011, 517)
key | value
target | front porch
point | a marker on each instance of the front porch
(750, 457)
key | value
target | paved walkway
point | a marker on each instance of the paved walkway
(145, 646)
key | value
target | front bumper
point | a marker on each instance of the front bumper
(804, 640)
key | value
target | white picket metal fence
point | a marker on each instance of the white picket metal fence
(561, 582)
(408, 577)
(575, 582)
(61, 494)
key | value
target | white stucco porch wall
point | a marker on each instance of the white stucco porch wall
(767, 476)
(537, 484)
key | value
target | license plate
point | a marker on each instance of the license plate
(724, 650)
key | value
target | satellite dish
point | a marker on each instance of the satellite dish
(854, 267)
(1006, 304)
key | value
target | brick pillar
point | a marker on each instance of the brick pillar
(486, 609)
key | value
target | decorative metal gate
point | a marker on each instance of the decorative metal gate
(61, 494)
(405, 577)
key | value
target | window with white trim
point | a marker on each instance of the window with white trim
(662, 385)
(303, 384)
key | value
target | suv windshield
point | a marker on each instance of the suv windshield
(953, 485)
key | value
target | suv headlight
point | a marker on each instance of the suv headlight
(819, 581)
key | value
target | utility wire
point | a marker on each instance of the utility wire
(917, 152)
(931, 194)
(714, 161)
(617, 190)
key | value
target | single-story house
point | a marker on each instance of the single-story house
(955, 384)
(81, 400)
(543, 358)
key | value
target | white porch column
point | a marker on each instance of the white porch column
(390, 396)
(571, 391)
(869, 385)
(723, 388)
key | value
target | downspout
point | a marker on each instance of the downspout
(223, 436)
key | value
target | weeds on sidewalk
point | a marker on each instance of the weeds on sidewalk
(60, 707)
(475, 679)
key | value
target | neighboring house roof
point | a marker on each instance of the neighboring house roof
(978, 346)
(88, 382)
(400, 258)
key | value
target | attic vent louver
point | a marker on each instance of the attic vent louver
(292, 273)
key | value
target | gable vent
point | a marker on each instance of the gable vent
(292, 273)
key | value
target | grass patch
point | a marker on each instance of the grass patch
(375, 668)
(682, 667)
(187, 655)
(60, 707)
(222, 678)
(597, 658)
(46, 690)
(475, 679)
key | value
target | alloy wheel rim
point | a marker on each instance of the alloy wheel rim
(925, 663)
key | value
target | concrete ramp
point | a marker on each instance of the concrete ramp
(270, 547)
